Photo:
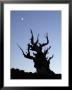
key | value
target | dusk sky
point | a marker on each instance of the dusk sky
(41, 22)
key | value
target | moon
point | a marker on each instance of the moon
(22, 18)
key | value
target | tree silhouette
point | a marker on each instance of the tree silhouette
(36, 53)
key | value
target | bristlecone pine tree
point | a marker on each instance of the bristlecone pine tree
(39, 57)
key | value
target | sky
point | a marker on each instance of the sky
(41, 22)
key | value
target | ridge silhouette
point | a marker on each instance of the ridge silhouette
(40, 59)
(20, 74)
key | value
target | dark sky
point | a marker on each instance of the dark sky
(41, 22)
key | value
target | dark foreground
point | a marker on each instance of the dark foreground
(20, 74)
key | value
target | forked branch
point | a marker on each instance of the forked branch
(26, 55)
(46, 42)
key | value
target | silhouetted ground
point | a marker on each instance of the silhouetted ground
(20, 74)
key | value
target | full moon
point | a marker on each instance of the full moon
(22, 18)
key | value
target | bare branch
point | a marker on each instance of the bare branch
(37, 39)
(32, 37)
(21, 50)
(28, 54)
(49, 48)
(46, 42)
(45, 51)
(50, 57)
(29, 46)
